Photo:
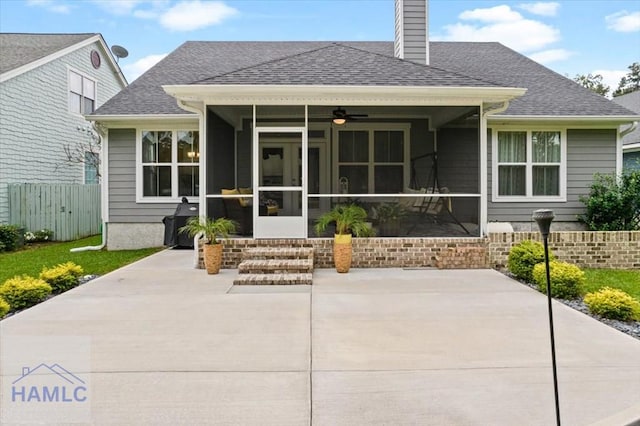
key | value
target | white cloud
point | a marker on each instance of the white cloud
(551, 55)
(492, 14)
(541, 8)
(195, 14)
(118, 7)
(139, 67)
(524, 35)
(611, 78)
(50, 5)
(624, 22)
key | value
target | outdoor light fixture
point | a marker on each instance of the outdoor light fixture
(339, 121)
(543, 218)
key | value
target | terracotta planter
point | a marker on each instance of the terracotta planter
(342, 252)
(212, 257)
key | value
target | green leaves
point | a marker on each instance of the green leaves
(613, 204)
(211, 229)
(349, 219)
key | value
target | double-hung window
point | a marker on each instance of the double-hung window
(371, 161)
(82, 93)
(529, 165)
(168, 164)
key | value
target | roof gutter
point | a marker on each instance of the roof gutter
(613, 119)
(629, 129)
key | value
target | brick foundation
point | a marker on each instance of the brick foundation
(619, 250)
(616, 250)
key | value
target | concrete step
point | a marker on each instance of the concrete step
(278, 253)
(274, 279)
(275, 266)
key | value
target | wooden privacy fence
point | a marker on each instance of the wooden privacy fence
(70, 211)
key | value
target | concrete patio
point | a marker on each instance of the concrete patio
(172, 345)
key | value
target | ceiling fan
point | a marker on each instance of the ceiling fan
(340, 116)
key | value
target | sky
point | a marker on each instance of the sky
(571, 37)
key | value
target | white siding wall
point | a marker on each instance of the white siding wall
(35, 121)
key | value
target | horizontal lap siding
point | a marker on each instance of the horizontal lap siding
(122, 183)
(588, 152)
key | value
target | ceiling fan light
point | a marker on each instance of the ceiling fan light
(339, 121)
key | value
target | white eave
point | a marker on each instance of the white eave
(557, 119)
(127, 120)
(229, 94)
(631, 147)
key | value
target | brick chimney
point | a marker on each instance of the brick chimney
(412, 31)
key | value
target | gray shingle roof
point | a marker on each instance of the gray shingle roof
(17, 50)
(342, 65)
(358, 63)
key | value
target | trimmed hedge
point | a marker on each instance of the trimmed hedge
(23, 291)
(524, 256)
(62, 277)
(567, 280)
(4, 307)
(613, 304)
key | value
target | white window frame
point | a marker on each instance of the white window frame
(529, 197)
(174, 198)
(371, 128)
(82, 95)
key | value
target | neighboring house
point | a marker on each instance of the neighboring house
(310, 124)
(631, 141)
(47, 83)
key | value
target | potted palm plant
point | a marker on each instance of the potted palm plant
(211, 230)
(350, 220)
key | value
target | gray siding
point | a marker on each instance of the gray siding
(122, 183)
(588, 152)
(411, 35)
(36, 121)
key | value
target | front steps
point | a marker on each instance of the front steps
(276, 266)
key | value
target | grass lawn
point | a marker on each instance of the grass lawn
(626, 280)
(31, 260)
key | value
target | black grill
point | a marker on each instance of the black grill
(172, 224)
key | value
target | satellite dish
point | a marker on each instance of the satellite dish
(119, 51)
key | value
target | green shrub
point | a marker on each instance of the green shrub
(613, 204)
(24, 291)
(567, 280)
(9, 237)
(524, 256)
(38, 236)
(4, 307)
(62, 277)
(614, 304)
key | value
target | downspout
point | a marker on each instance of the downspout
(103, 193)
(202, 198)
(620, 148)
(484, 179)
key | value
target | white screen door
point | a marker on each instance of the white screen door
(280, 207)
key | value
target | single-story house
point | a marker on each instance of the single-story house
(272, 134)
(47, 83)
(631, 141)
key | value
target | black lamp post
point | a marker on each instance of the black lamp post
(543, 218)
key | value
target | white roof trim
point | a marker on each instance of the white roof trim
(330, 95)
(631, 147)
(60, 53)
(614, 119)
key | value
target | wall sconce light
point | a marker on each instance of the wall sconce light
(193, 154)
